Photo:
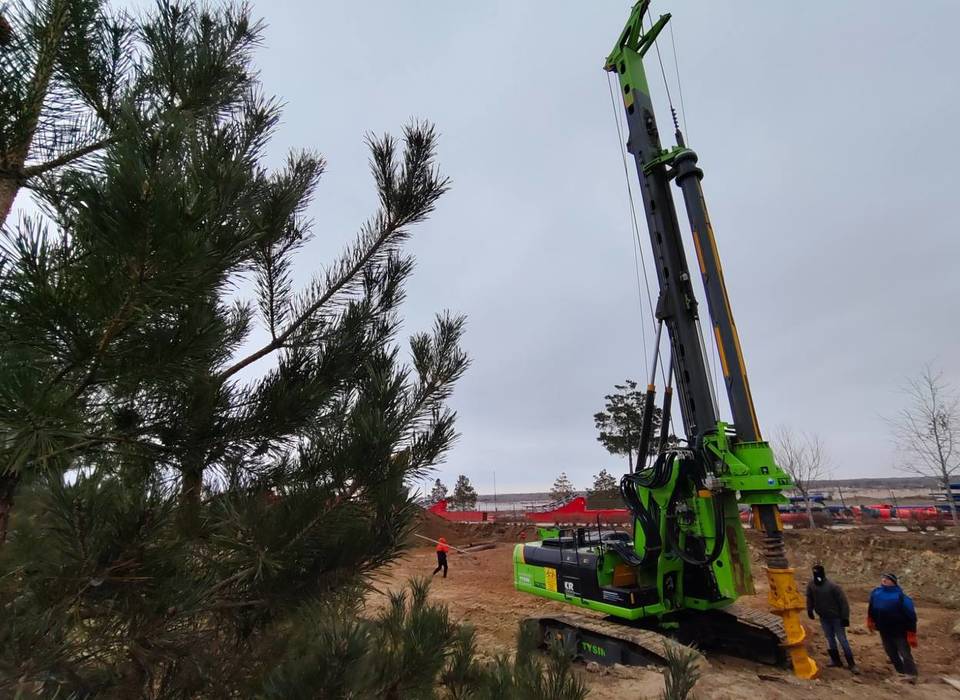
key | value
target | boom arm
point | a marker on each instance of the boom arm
(677, 305)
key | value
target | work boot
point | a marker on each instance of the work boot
(834, 659)
(851, 664)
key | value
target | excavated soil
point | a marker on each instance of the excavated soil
(479, 591)
(927, 564)
(460, 534)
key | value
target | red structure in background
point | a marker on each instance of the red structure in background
(885, 511)
(573, 511)
(865, 515)
(461, 516)
(576, 511)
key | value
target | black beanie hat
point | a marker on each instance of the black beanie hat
(892, 577)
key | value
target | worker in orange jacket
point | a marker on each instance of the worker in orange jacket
(442, 549)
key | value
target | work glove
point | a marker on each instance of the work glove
(811, 615)
(871, 625)
(845, 622)
(912, 639)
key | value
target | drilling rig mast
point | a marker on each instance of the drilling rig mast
(687, 561)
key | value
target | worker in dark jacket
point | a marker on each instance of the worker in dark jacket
(827, 599)
(891, 613)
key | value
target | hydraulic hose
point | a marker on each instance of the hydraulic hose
(672, 529)
(647, 517)
(659, 473)
(646, 427)
(665, 417)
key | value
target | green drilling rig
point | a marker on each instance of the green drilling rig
(680, 571)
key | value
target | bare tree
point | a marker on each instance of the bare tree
(802, 456)
(927, 430)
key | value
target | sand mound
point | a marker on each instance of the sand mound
(928, 564)
(464, 534)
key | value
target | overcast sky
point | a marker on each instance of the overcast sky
(828, 133)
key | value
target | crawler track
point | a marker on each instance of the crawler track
(736, 630)
(603, 640)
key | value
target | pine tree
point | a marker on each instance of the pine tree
(562, 489)
(72, 78)
(70, 68)
(56, 96)
(605, 492)
(208, 524)
(620, 423)
(682, 672)
(410, 650)
(604, 484)
(438, 493)
(187, 516)
(464, 495)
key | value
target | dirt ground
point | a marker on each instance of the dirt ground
(479, 591)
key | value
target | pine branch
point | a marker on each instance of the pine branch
(25, 122)
(64, 159)
(407, 193)
(287, 195)
(315, 306)
(49, 45)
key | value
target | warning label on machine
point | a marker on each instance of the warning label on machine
(551, 576)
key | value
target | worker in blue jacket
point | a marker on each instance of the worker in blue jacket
(891, 613)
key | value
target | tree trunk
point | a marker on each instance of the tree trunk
(8, 192)
(813, 525)
(945, 483)
(191, 487)
(135, 677)
(8, 488)
(50, 38)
